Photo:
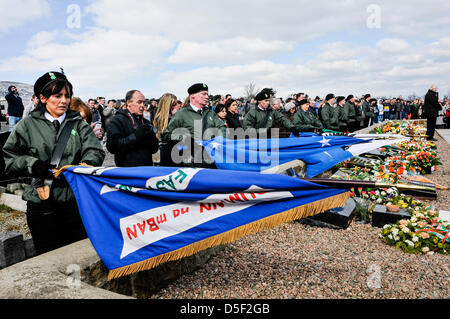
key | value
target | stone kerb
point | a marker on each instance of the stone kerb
(54, 276)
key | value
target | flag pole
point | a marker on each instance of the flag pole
(418, 190)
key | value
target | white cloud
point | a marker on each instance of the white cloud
(393, 67)
(236, 50)
(16, 13)
(290, 45)
(99, 59)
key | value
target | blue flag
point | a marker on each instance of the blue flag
(139, 217)
(320, 153)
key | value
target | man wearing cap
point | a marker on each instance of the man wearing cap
(343, 116)
(195, 122)
(263, 118)
(367, 110)
(305, 121)
(15, 106)
(330, 114)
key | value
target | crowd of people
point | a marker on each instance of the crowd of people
(58, 129)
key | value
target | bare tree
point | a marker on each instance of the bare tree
(250, 91)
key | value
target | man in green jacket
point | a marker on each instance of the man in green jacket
(343, 115)
(367, 110)
(305, 121)
(260, 121)
(350, 110)
(330, 114)
(195, 122)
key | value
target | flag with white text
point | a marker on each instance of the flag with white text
(139, 217)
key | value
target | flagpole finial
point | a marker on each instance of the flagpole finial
(62, 70)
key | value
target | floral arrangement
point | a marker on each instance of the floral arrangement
(403, 128)
(424, 233)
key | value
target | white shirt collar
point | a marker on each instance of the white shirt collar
(51, 118)
(194, 107)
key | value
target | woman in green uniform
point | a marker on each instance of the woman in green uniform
(28, 152)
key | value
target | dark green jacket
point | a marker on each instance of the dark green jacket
(358, 113)
(343, 118)
(306, 121)
(330, 117)
(192, 123)
(35, 138)
(367, 109)
(350, 111)
(259, 119)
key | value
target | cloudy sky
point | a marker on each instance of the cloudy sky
(107, 47)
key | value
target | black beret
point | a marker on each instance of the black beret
(48, 78)
(350, 97)
(199, 87)
(329, 96)
(304, 101)
(263, 95)
(339, 99)
(366, 96)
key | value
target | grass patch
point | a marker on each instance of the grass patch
(5, 209)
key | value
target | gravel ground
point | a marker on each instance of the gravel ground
(300, 261)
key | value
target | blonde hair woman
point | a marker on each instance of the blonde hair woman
(162, 117)
(163, 113)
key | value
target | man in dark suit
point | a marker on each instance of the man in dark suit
(431, 109)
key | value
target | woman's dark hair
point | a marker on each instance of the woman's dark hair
(228, 103)
(219, 108)
(54, 87)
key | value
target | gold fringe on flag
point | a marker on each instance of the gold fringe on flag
(303, 211)
(59, 171)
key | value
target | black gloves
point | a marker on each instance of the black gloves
(142, 132)
(41, 170)
(295, 132)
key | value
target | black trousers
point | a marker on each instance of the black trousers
(54, 225)
(431, 126)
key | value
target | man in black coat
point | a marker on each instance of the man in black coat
(130, 137)
(15, 106)
(431, 109)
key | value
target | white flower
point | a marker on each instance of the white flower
(386, 226)
(406, 230)
(410, 243)
(390, 237)
(383, 193)
(415, 239)
(377, 192)
(395, 231)
(413, 219)
(389, 190)
(379, 200)
(396, 238)
(425, 249)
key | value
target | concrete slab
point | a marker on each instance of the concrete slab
(54, 276)
(445, 134)
(13, 201)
